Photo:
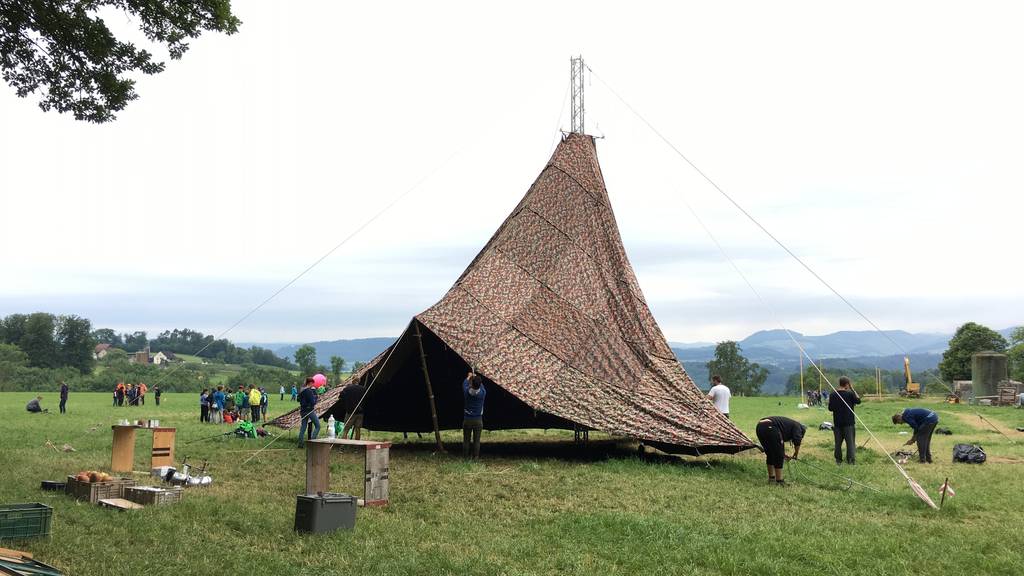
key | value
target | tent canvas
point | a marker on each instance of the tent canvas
(551, 315)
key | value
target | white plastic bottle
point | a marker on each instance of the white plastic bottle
(330, 427)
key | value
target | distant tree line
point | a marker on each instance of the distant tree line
(39, 350)
(50, 341)
(186, 341)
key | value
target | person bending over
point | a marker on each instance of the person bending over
(773, 432)
(923, 421)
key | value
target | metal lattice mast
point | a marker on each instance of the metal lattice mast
(577, 95)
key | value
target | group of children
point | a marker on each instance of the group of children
(815, 398)
(133, 394)
(228, 407)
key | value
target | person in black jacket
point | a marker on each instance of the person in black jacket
(351, 399)
(844, 427)
(773, 432)
(307, 408)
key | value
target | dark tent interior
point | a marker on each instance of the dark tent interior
(399, 402)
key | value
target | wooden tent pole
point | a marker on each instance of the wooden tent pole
(430, 389)
(801, 378)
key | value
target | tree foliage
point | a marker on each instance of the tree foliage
(267, 377)
(11, 354)
(1016, 354)
(107, 336)
(37, 340)
(136, 341)
(186, 341)
(12, 328)
(738, 373)
(862, 380)
(74, 340)
(337, 365)
(969, 339)
(64, 49)
(305, 357)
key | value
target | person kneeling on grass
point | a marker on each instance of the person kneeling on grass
(773, 432)
(34, 407)
(923, 422)
(473, 393)
(245, 429)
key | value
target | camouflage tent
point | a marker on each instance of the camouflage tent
(551, 315)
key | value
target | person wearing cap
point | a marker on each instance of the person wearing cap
(923, 422)
(773, 432)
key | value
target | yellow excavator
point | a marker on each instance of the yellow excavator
(912, 389)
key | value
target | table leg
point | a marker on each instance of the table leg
(318, 467)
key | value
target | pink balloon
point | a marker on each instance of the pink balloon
(319, 380)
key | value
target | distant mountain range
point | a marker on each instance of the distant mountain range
(358, 350)
(776, 344)
(772, 349)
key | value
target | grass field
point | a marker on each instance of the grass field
(536, 504)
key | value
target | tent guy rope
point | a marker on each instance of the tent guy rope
(775, 239)
(348, 421)
(915, 487)
(315, 263)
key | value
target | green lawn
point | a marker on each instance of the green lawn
(535, 504)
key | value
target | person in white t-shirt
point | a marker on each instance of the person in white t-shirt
(720, 394)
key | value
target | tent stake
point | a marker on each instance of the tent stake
(430, 389)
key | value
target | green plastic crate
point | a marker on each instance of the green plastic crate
(25, 520)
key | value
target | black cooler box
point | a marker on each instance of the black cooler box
(325, 512)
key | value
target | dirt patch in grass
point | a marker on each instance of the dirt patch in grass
(1004, 460)
(977, 423)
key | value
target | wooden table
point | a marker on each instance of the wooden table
(375, 475)
(122, 451)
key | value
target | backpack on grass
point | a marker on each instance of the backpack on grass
(969, 453)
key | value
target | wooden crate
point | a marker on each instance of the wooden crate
(95, 491)
(1007, 395)
(152, 496)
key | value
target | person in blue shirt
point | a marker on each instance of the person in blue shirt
(473, 394)
(923, 422)
(218, 405)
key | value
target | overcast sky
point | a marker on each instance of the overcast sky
(881, 141)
